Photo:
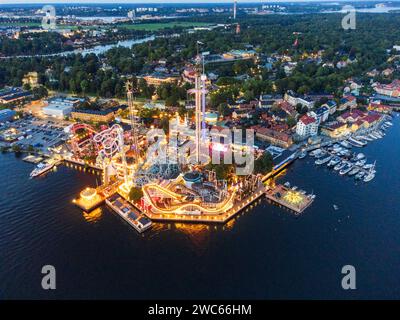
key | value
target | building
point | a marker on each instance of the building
(351, 116)
(61, 107)
(106, 115)
(280, 139)
(307, 126)
(294, 99)
(158, 79)
(239, 54)
(288, 108)
(347, 102)
(31, 79)
(331, 105)
(335, 130)
(242, 113)
(321, 114)
(391, 89)
(154, 106)
(13, 95)
(6, 115)
(378, 107)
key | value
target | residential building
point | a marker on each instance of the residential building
(335, 130)
(391, 89)
(378, 107)
(351, 116)
(331, 105)
(307, 126)
(277, 138)
(321, 114)
(347, 102)
(295, 99)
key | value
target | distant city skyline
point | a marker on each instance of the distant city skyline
(171, 1)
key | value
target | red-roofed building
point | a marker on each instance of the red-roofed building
(347, 102)
(371, 119)
(377, 107)
(391, 89)
(351, 116)
(288, 108)
(307, 126)
(280, 139)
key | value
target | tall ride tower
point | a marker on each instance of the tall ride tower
(132, 115)
(234, 9)
(200, 92)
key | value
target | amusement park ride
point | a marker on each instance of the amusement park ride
(172, 190)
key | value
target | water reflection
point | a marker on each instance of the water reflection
(93, 216)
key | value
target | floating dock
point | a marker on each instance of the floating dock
(89, 199)
(32, 159)
(129, 213)
(289, 198)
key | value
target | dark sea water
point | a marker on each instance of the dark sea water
(267, 252)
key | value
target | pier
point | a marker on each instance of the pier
(289, 198)
(129, 213)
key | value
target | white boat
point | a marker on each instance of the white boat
(346, 169)
(388, 123)
(354, 171)
(303, 154)
(345, 144)
(321, 154)
(360, 175)
(334, 162)
(378, 134)
(340, 166)
(356, 143)
(368, 166)
(324, 160)
(367, 138)
(41, 168)
(361, 163)
(373, 136)
(370, 176)
(371, 173)
(315, 152)
(359, 156)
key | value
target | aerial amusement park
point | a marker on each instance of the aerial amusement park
(148, 175)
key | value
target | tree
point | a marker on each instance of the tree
(135, 194)
(16, 148)
(40, 92)
(264, 163)
(291, 121)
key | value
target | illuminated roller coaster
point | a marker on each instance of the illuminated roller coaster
(81, 142)
(179, 204)
(112, 145)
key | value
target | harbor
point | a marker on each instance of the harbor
(260, 230)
